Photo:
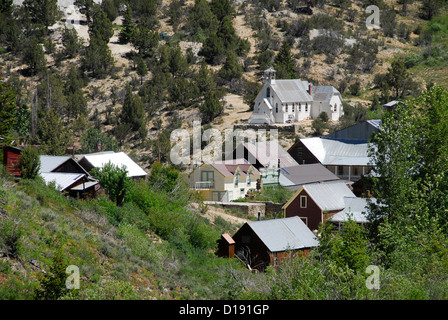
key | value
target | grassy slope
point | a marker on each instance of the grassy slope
(116, 260)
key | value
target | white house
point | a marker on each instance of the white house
(224, 180)
(291, 100)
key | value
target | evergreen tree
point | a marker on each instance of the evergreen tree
(127, 27)
(221, 8)
(284, 63)
(201, 20)
(145, 40)
(91, 138)
(211, 107)
(71, 42)
(101, 27)
(142, 69)
(213, 49)
(133, 112)
(231, 69)
(34, 56)
(86, 7)
(5, 6)
(97, 58)
(53, 135)
(7, 109)
(43, 11)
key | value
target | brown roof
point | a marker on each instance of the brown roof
(228, 238)
(228, 167)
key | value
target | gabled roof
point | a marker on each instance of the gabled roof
(291, 90)
(355, 209)
(338, 152)
(305, 174)
(267, 153)
(323, 93)
(284, 234)
(62, 180)
(228, 167)
(50, 163)
(99, 159)
(328, 196)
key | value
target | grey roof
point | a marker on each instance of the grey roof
(329, 195)
(291, 90)
(62, 180)
(361, 131)
(267, 153)
(49, 163)
(323, 93)
(305, 174)
(355, 209)
(284, 234)
(338, 152)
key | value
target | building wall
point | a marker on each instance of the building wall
(311, 215)
(249, 245)
(301, 154)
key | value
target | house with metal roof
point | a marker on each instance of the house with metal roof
(268, 242)
(315, 203)
(356, 209)
(296, 176)
(224, 181)
(291, 100)
(267, 157)
(361, 131)
(120, 159)
(66, 175)
(348, 159)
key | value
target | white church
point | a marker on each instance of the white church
(292, 100)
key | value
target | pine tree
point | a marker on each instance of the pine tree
(43, 11)
(7, 109)
(221, 8)
(101, 27)
(128, 27)
(284, 63)
(231, 69)
(211, 107)
(34, 56)
(133, 112)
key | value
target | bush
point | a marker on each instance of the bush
(30, 163)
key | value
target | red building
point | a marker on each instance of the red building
(11, 160)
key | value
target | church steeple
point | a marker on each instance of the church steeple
(269, 75)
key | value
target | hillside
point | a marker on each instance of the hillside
(350, 61)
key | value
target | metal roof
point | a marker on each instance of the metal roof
(330, 195)
(305, 174)
(99, 159)
(284, 234)
(323, 93)
(49, 163)
(62, 180)
(291, 90)
(267, 153)
(355, 209)
(338, 152)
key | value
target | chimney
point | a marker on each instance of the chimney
(310, 89)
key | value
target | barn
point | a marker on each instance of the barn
(11, 160)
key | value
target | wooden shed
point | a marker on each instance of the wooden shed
(11, 160)
(226, 246)
(268, 242)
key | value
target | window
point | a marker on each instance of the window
(335, 107)
(207, 176)
(303, 200)
(286, 108)
(300, 107)
(236, 179)
(306, 107)
(276, 108)
(340, 170)
(293, 109)
(268, 92)
(249, 179)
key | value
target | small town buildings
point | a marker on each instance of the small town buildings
(315, 203)
(356, 209)
(361, 131)
(348, 159)
(292, 100)
(224, 181)
(267, 157)
(268, 242)
(67, 175)
(296, 176)
(120, 159)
